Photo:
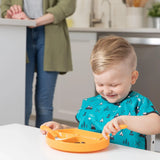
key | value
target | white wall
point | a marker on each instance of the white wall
(0, 9)
(118, 13)
(102, 10)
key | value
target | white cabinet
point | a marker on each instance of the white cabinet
(12, 70)
(73, 87)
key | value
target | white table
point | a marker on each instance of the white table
(19, 142)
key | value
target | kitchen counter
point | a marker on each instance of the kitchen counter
(23, 142)
(123, 30)
(139, 36)
(12, 69)
(16, 22)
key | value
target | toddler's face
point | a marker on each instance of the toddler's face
(115, 83)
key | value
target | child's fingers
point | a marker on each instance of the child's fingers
(116, 126)
(104, 134)
(112, 128)
(43, 132)
(107, 132)
(50, 124)
(53, 125)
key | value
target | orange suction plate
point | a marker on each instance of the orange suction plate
(76, 140)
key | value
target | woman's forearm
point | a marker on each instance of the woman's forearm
(45, 19)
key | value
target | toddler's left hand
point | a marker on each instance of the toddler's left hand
(112, 127)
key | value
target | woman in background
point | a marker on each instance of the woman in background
(48, 49)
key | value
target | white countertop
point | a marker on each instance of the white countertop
(19, 142)
(16, 22)
(131, 30)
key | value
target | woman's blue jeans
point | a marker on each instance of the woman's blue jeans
(45, 80)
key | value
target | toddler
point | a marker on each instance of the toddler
(114, 61)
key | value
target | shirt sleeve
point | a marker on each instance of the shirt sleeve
(62, 9)
(5, 5)
(145, 107)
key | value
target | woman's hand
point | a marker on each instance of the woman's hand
(113, 126)
(9, 14)
(15, 9)
(20, 15)
(53, 125)
(15, 12)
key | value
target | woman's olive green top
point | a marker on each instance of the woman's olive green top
(57, 53)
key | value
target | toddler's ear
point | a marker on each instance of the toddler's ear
(135, 75)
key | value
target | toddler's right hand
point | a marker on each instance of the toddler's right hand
(113, 126)
(53, 125)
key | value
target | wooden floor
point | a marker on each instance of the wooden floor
(72, 124)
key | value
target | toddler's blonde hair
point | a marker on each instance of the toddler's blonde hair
(111, 50)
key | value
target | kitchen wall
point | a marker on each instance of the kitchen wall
(0, 9)
(118, 12)
(102, 11)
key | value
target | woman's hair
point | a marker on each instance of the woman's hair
(111, 50)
